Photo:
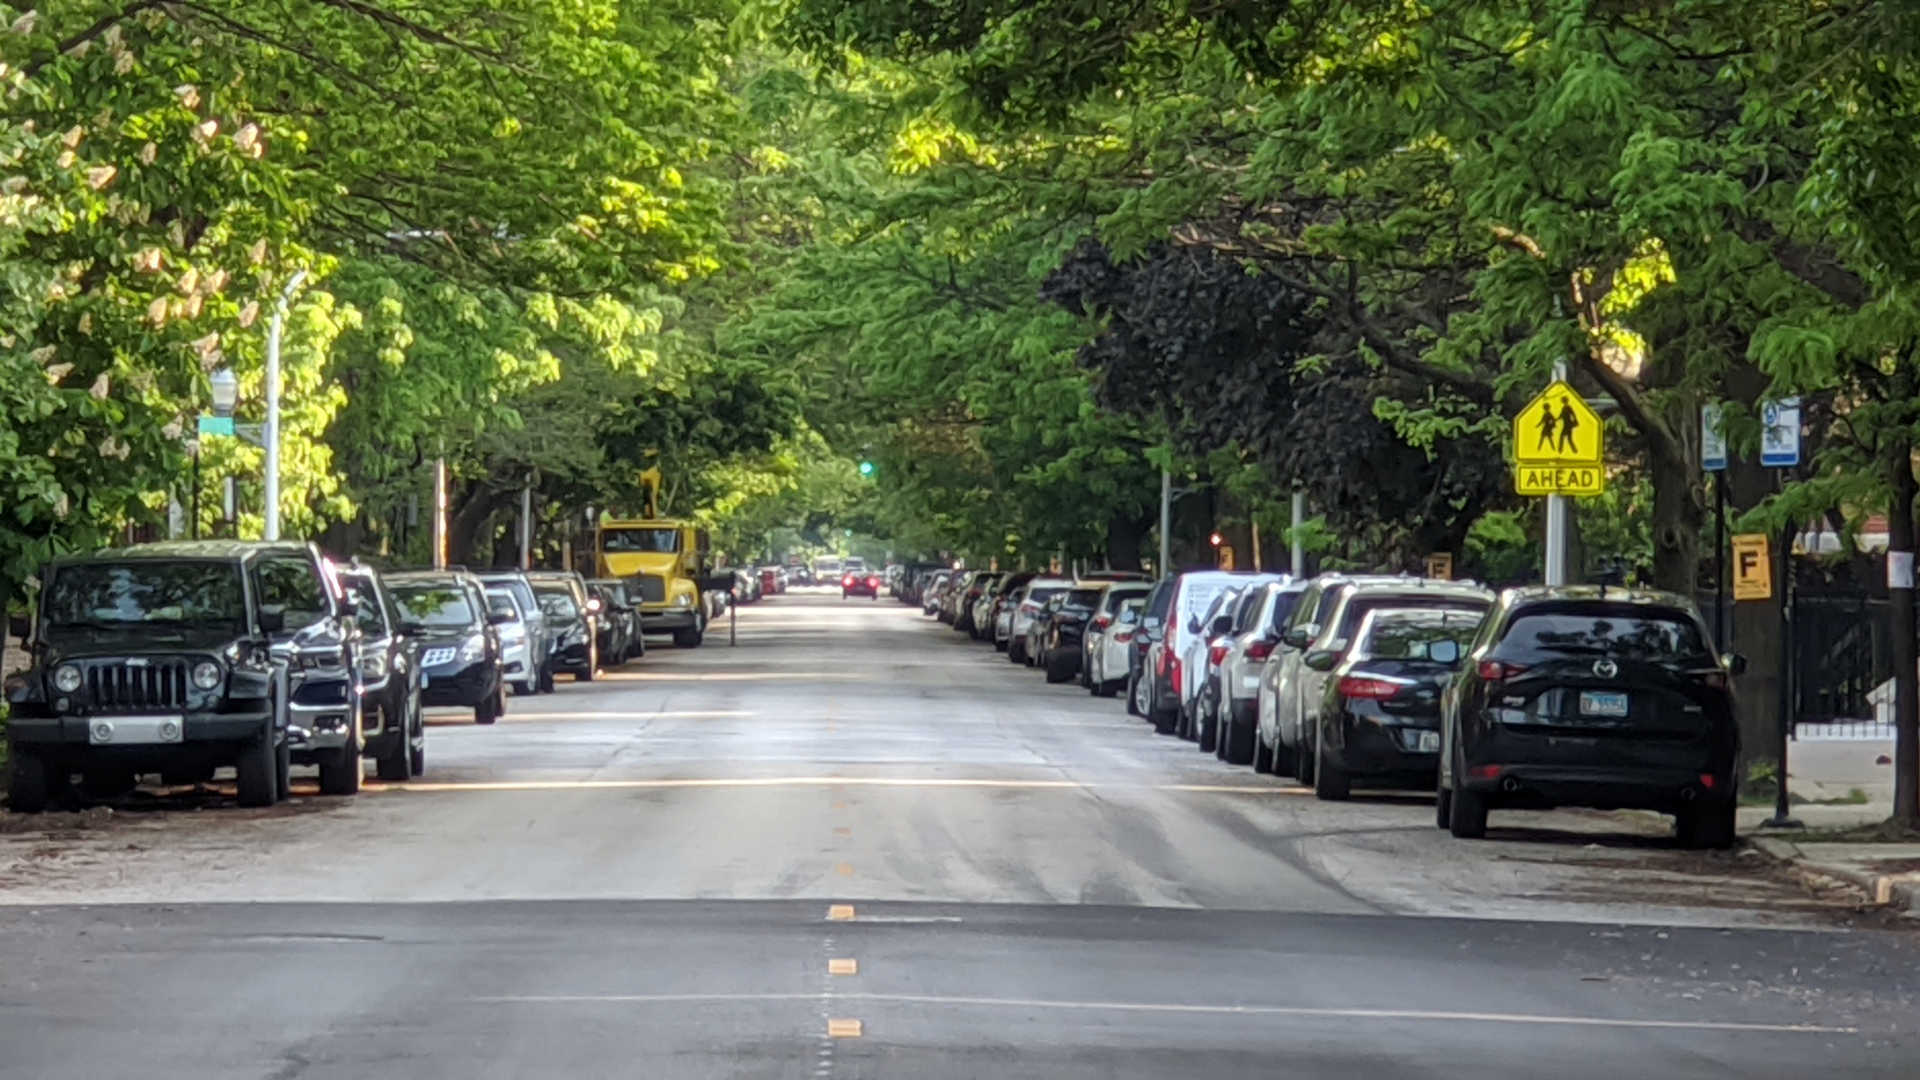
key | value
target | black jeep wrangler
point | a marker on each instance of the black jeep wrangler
(159, 658)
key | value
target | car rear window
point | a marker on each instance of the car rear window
(1160, 600)
(1359, 606)
(1284, 606)
(1043, 594)
(1085, 598)
(1616, 630)
(1410, 635)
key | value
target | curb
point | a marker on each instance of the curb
(1883, 890)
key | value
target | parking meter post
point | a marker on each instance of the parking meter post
(1720, 562)
(733, 624)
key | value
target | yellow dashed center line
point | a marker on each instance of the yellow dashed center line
(840, 912)
(843, 965)
(841, 1028)
(844, 869)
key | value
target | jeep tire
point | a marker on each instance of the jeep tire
(31, 787)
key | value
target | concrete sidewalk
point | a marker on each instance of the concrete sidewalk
(1826, 780)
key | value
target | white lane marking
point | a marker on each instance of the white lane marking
(692, 715)
(1318, 1012)
(832, 781)
(737, 676)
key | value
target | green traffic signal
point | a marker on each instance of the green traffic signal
(866, 468)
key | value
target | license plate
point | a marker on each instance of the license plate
(1602, 703)
(1428, 743)
(136, 730)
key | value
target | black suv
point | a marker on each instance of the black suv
(1592, 696)
(1060, 652)
(447, 615)
(391, 726)
(573, 617)
(181, 658)
(620, 637)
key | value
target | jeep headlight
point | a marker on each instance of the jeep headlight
(66, 678)
(373, 665)
(474, 649)
(206, 675)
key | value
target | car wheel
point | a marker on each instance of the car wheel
(417, 741)
(1303, 758)
(30, 788)
(546, 677)
(493, 708)
(1134, 706)
(1283, 758)
(1203, 729)
(688, 637)
(1706, 825)
(1014, 652)
(341, 773)
(523, 688)
(257, 772)
(1467, 817)
(393, 766)
(1262, 755)
(1330, 780)
(1237, 742)
(1057, 671)
(283, 770)
(1443, 807)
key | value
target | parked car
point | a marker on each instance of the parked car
(1112, 596)
(1237, 680)
(949, 607)
(392, 730)
(619, 638)
(575, 616)
(516, 651)
(178, 658)
(967, 620)
(1591, 696)
(1032, 598)
(770, 581)
(1379, 716)
(1153, 617)
(447, 613)
(1209, 699)
(1203, 630)
(1005, 598)
(1165, 678)
(541, 637)
(1110, 639)
(1062, 646)
(1342, 606)
(930, 595)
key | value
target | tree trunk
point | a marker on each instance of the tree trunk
(464, 526)
(1679, 517)
(1898, 459)
(1124, 536)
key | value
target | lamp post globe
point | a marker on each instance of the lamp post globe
(226, 391)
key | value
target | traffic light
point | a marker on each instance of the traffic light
(1216, 539)
(866, 468)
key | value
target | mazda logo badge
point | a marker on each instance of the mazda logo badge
(1606, 669)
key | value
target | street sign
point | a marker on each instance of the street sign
(253, 433)
(1713, 439)
(1752, 567)
(216, 425)
(1559, 480)
(1440, 565)
(1780, 433)
(1226, 556)
(1558, 428)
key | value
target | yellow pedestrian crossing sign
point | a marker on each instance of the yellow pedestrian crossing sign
(1558, 442)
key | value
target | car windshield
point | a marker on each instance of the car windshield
(648, 540)
(499, 603)
(366, 607)
(434, 606)
(141, 593)
(1403, 635)
(293, 587)
(1618, 631)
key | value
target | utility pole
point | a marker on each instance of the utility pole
(439, 513)
(526, 525)
(1297, 538)
(1166, 522)
(272, 434)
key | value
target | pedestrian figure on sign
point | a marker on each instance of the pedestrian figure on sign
(1546, 429)
(1568, 424)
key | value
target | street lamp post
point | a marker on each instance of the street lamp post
(226, 393)
(272, 434)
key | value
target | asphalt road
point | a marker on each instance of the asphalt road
(857, 845)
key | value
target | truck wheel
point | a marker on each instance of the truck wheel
(257, 769)
(341, 773)
(31, 787)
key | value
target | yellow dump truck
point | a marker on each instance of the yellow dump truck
(666, 559)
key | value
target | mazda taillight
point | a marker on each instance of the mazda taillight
(1260, 650)
(1499, 670)
(1715, 679)
(1358, 686)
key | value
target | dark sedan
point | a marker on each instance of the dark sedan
(393, 734)
(1060, 654)
(447, 615)
(576, 627)
(1380, 718)
(619, 638)
(1589, 696)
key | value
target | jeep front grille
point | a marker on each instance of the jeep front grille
(653, 589)
(117, 686)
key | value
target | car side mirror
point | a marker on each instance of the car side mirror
(1193, 625)
(273, 620)
(1296, 639)
(1321, 659)
(1736, 664)
(1223, 625)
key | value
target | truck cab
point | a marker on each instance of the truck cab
(665, 560)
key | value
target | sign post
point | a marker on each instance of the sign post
(1780, 449)
(1559, 447)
